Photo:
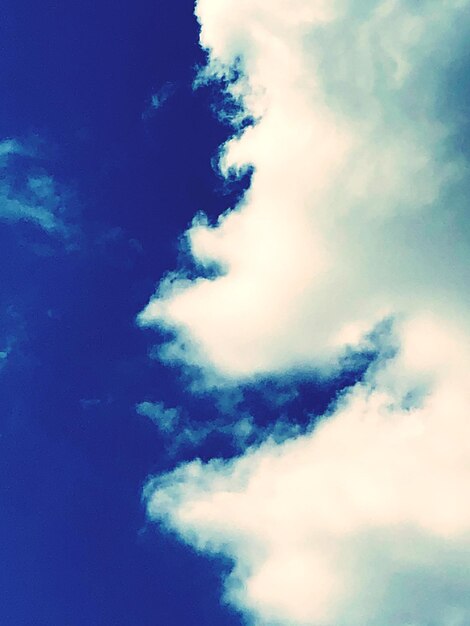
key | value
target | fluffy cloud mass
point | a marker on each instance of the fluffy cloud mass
(363, 521)
(356, 213)
(355, 190)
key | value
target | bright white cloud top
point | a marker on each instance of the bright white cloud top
(356, 211)
(364, 521)
(352, 199)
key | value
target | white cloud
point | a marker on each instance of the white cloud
(355, 212)
(352, 198)
(364, 520)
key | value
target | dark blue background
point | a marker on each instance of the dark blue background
(74, 547)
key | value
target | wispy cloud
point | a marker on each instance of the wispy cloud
(363, 520)
(5, 352)
(165, 418)
(9, 147)
(13, 336)
(158, 99)
(30, 194)
(353, 175)
(183, 433)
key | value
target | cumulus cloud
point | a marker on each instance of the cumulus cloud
(30, 194)
(364, 520)
(158, 99)
(356, 213)
(354, 193)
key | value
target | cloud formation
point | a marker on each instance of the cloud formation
(355, 190)
(364, 520)
(356, 213)
(158, 99)
(181, 432)
(28, 193)
(165, 418)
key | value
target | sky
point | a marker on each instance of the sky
(234, 328)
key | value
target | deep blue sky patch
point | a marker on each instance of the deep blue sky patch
(76, 81)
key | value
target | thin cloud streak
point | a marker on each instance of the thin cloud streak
(30, 194)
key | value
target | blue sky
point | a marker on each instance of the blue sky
(142, 335)
(77, 80)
